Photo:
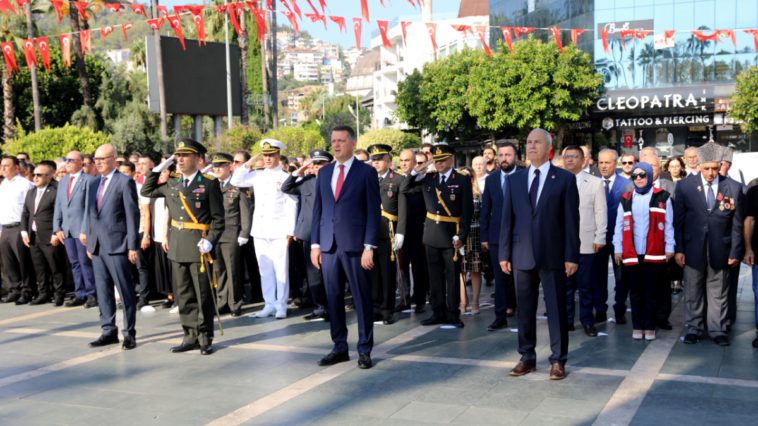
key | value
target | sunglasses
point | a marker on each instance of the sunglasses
(420, 162)
(641, 175)
(627, 163)
(69, 160)
(220, 164)
(237, 162)
(38, 174)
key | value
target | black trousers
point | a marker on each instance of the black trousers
(315, 279)
(253, 273)
(297, 272)
(731, 298)
(663, 292)
(230, 272)
(383, 279)
(414, 254)
(17, 262)
(644, 284)
(194, 296)
(144, 260)
(443, 280)
(49, 263)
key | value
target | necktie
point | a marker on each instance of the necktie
(70, 182)
(36, 203)
(442, 177)
(502, 183)
(340, 181)
(186, 183)
(711, 197)
(534, 189)
(607, 188)
(100, 192)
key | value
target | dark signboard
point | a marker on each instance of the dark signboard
(668, 100)
(654, 121)
(615, 28)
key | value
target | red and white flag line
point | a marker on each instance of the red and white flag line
(292, 13)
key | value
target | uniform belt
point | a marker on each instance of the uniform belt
(437, 218)
(190, 225)
(390, 216)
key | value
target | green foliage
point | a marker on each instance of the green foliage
(137, 129)
(411, 107)
(395, 138)
(343, 119)
(296, 139)
(85, 117)
(55, 142)
(254, 71)
(239, 138)
(745, 100)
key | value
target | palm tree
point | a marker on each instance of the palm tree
(138, 54)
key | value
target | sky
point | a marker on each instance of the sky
(351, 9)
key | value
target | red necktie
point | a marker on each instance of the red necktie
(70, 182)
(340, 179)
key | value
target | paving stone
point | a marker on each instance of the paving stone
(433, 413)
(540, 419)
(372, 406)
(490, 416)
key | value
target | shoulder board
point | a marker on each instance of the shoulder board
(462, 172)
(209, 177)
(175, 175)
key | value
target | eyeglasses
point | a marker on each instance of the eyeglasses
(571, 157)
(100, 159)
(641, 175)
(237, 162)
(220, 164)
(86, 164)
(627, 163)
(420, 162)
(69, 160)
(38, 174)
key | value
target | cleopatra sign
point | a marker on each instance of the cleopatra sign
(663, 101)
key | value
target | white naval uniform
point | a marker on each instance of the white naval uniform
(274, 218)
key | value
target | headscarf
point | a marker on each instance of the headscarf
(646, 168)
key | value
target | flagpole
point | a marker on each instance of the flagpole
(228, 71)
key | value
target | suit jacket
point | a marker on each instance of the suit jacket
(115, 228)
(43, 216)
(666, 185)
(237, 214)
(594, 171)
(665, 175)
(353, 220)
(593, 213)
(612, 204)
(547, 237)
(69, 212)
(693, 223)
(492, 209)
(305, 188)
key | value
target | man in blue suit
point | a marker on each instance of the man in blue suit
(614, 185)
(344, 232)
(110, 232)
(539, 241)
(495, 189)
(70, 208)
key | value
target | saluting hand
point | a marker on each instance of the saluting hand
(251, 161)
(423, 167)
(301, 171)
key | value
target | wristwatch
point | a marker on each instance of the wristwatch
(146, 236)
(368, 248)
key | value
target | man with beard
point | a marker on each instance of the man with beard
(628, 161)
(490, 156)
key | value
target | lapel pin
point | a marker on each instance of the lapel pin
(699, 188)
(553, 176)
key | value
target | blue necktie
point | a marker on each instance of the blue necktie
(607, 189)
(711, 197)
(533, 190)
(502, 183)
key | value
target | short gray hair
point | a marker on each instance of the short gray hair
(612, 151)
(547, 135)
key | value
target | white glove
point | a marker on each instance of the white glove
(398, 241)
(205, 246)
(242, 241)
(164, 165)
(207, 169)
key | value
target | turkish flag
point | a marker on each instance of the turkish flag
(712, 37)
(404, 25)
(44, 51)
(575, 35)
(10, 56)
(316, 17)
(126, 27)
(105, 31)
(481, 30)
(176, 23)
(604, 34)
(260, 22)
(296, 9)
(730, 34)
(323, 6)
(163, 10)
(293, 21)
(138, 9)
(197, 18)
(86, 40)
(80, 5)
(284, 2)
(432, 30)
(20, 4)
(357, 27)
(114, 7)
(557, 34)
(522, 30)
(155, 23)
(66, 49)
(755, 37)
(508, 39)
(219, 9)
(364, 10)
(383, 32)
(30, 52)
(179, 9)
(5, 5)
(463, 28)
(312, 7)
(339, 21)
(233, 16)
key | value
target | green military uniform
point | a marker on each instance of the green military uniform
(204, 219)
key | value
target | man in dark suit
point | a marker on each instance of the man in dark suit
(110, 232)
(345, 231)
(495, 189)
(449, 205)
(37, 233)
(539, 241)
(305, 188)
(708, 223)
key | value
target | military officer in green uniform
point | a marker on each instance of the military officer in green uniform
(195, 204)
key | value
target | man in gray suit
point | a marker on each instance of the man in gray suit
(70, 205)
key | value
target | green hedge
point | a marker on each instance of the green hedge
(51, 143)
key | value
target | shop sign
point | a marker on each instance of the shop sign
(697, 128)
(615, 28)
(663, 42)
(665, 100)
(662, 121)
(580, 125)
(724, 119)
(722, 105)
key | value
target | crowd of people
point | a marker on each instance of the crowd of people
(203, 234)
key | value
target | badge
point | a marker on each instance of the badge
(231, 201)
(699, 188)
(662, 205)
(660, 226)
(720, 197)
(198, 191)
(726, 206)
(721, 207)
(278, 186)
(197, 205)
(452, 197)
(201, 186)
(389, 194)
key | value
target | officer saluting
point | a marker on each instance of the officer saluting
(449, 208)
(197, 221)
(391, 234)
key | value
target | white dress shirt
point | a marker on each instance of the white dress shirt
(543, 176)
(641, 217)
(715, 185)
(13, 193)
(188, 179)
(482, 182)
(75, 178)
(345, 171)
(579, 181)
(37, 198)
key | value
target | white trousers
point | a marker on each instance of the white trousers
(273, 263)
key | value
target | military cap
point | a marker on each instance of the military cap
(321, 156)
(379, 150)
(728, 155)
(189, 146)
(271, 146)
(442, 151)
(221, 157)
(710, 153)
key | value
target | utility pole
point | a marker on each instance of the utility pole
(161, 88)
(228, 72)
(35, 85)
(274, 72)
(266, 112)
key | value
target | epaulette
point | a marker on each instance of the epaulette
(399, 172)
(175, 175)
(209, 177)
(462, 172)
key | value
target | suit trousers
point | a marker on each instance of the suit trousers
(528, 292)
(315, 281)
(115, 270)
(600, 281)
(582, 282)
(663, 293)
(705, 295)
(383, 279)
(144, 260)
(273, 263)
(81, 268)
(16, 261)
(644, 284)
(731, 301)
(253, 273)
(297, 273)
(505, 291)
(443, 280)
(50, 265)
(413, 254)
(229, 271)
(337, 267)
(195, 299)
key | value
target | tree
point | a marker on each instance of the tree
(55, 142)
(12, 28)
(297, 140)
(138, 54)
(395, 138)
(411, 107)
(745, 100)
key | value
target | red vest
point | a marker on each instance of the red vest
(656, 241)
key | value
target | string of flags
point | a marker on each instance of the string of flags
(293, 13)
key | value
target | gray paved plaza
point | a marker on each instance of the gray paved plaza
(264, 372)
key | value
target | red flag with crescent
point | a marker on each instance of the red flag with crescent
(522, 30)
(197, 18)
(432, 30)
(80, 5)
(44, 51)
(126, 27)
(234, 10)
(312, 7)
(66, 49)
(284, 2)
(508, 39)
(403, 25)
(114, 7)
(339, 21)
(323, 6)
(105, 31)
(176, 24)
(30, 52)
(179, 9)
(357, 23)
(316, 17)
(155, 23)
(640, 34)
(20, 4)
(411, 2)
(728, 34)
(296, 9)
(364, 10)
(56, 4)
(604, 35)
(260, 21)
(575, 35)
(481, 30)
(557, 34)
(163, 10)
(252, 5)
(712, 37)
(5, 5)
(10, 56)
(463, 28)
(755, 37)
(86, 40)
(220, 8)
(293, 21)
(383, 31)
(138, 9)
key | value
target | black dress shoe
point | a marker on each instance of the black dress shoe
(39, 301)
(104, 341)
(141, 304)
(224, 310)
(590, 330)
(76, 301)
(434, 320)
(721, 340)
(755, 343)
(167, 304)
(455, 322)
(184, 347)
(364, 361)
(58, 301)
(378, 317)
(601, 317)
(402, 307)
(206, 350)
(23, 300)
(314, 316)
(12, 298)
(90, 303)
(691, 339)
(388, 319)
(333, 358)
(571, 327)
(129, 343)
(621, 318)
(498, 325)
(419, 309)
(665, 325)
(236, 313)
